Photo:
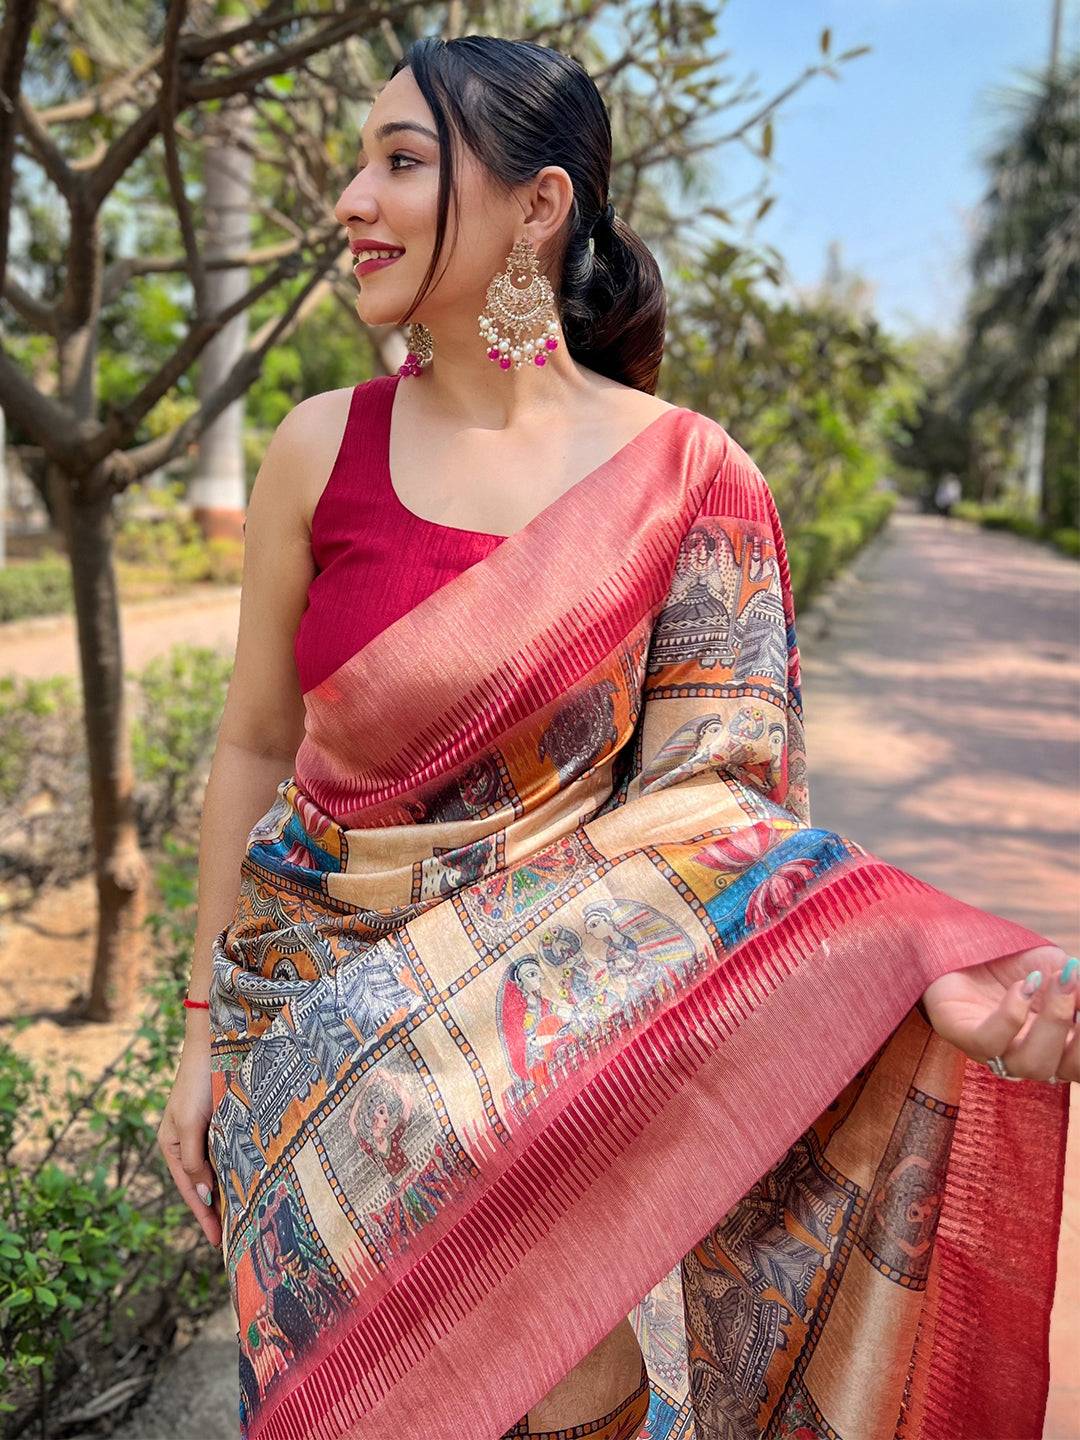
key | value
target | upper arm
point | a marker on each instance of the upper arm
(264, 708)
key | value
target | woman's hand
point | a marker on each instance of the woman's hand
(1015, 1007)
(184, 1125)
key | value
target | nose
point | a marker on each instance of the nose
(354, 202)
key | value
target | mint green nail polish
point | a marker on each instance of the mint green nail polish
(1069, 970)
(1031, 983)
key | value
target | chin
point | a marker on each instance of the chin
(375, 314)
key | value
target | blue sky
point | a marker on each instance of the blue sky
(886, 159)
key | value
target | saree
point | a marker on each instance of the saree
(544, 1005)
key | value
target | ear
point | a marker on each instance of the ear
(547, 201)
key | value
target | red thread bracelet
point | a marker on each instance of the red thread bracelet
(196, 1004)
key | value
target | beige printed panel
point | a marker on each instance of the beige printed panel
(453, 1073)
(613, 950)
(696, 806)
(682, 735)
(870, 1317)
(857, 1145)
(479, 1044)
(328, 1218)
(443, 945)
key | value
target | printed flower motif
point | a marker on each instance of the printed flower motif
(315, 821)
(300, 856)
(740, 850)
(778, 891)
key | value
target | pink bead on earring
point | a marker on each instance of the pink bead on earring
(421, 349)
(520, 322)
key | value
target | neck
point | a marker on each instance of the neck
(461, 381)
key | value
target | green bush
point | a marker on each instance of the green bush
(967, 510)
(154, 539)
(181, 697)
(36, 587)
(96, 1248)
(999, 516)
(158, 552)
(820, 549)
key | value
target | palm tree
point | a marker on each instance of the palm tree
(1024, 315)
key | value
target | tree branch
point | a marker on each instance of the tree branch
(122, 423)
(168, 105)
(121, 271)
(124, 467)
(14, 39)
(34, 311)
(50, 423)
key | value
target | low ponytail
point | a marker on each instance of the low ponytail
(612, 303)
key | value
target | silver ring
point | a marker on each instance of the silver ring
(997, 1065)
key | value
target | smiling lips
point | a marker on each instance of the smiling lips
(365, 267)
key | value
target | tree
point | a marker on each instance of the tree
(1024, 316)
(118, 141)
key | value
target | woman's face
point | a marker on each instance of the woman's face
(393, 198)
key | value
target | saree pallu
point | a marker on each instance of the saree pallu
(544, 1004)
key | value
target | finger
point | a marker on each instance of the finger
(1005, 1024)
(1038, 1054)
(208, 1219)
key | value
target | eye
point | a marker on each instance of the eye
(397, 155)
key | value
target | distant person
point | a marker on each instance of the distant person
(946, 495)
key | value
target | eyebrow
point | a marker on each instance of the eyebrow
(392, 127)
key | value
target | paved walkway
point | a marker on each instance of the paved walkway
(203, 615)
(943, 734)
(943, 729)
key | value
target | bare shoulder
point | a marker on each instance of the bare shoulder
(307, 441)
(630, 402)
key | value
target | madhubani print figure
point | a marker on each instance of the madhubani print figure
(301, 1295)
(753, 1285)
(409, 1174)
(581, 732)
(626, 955)
(476, 791)
(725, 612)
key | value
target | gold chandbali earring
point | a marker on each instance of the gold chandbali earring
(421, 348)
(520, 323)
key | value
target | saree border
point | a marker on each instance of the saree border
(608, 1173)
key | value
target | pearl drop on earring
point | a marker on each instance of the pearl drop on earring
(519, 307)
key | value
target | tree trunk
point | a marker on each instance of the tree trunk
(121, 870)
(217, 492)
(84, 514)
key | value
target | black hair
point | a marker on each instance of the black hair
(519, 106)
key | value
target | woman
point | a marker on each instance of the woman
(559, 1077)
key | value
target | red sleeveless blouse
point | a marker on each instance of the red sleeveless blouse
(374, 558)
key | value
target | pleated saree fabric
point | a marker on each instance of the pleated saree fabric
(545, 1004)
